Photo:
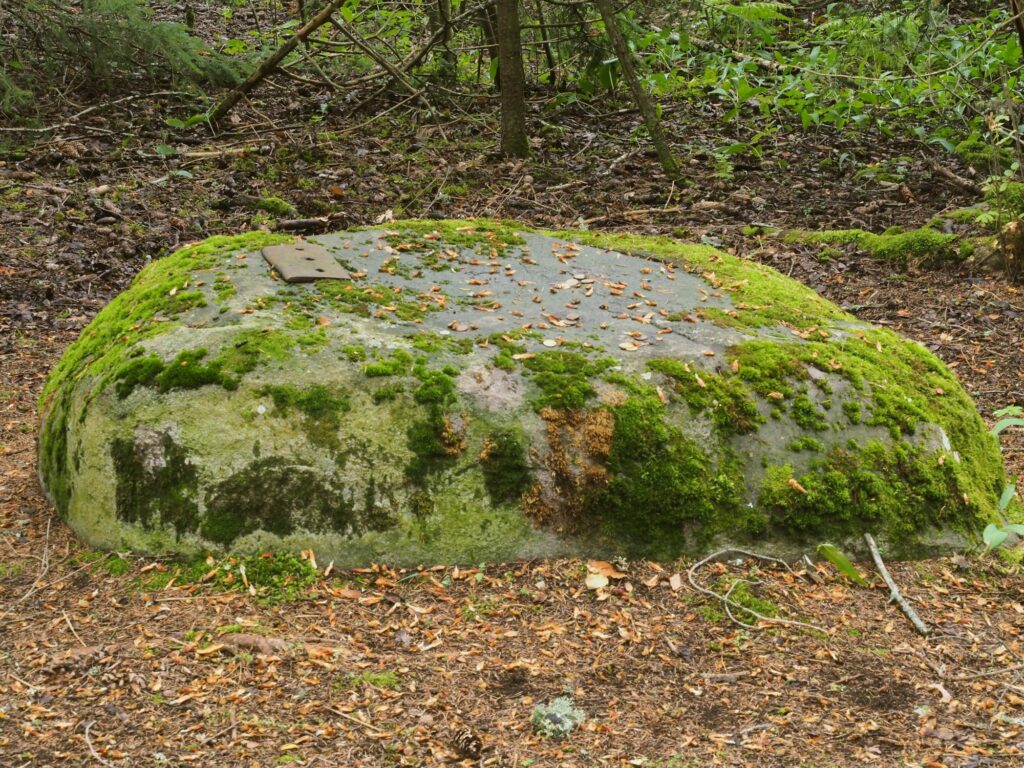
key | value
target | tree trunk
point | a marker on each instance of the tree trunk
(512, 80)
(643, 100)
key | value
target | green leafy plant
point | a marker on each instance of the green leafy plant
(104, 44)
(1011, 416)
(995, 536)
(842, 563)
(556, 719)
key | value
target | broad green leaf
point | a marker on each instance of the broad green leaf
(1009, 491)
(1005, 423)
(165, 150)
(993, 536)
(842, 563)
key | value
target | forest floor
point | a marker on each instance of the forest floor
(384, 667)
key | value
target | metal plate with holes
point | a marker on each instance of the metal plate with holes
(304, 262)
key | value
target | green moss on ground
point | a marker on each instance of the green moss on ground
(985, 158)
(274, 577)
(275, 206)
(923, 244)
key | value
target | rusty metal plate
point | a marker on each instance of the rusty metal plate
(304, 262)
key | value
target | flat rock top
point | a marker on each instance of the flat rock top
(559, 291)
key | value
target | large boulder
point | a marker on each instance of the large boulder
(474, 390)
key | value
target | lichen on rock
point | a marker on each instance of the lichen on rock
(479, 390)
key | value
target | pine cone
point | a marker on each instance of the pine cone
(467, 743)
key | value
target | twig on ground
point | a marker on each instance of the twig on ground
(630, 214)
(72, 628)
(957, 181)
(88, 742)
(990, 672)
(71, 120)
(728, 602)
(894, 592)
(370, 729)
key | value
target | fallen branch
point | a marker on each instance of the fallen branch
(269, 64)
(105, 105)
(88, 743)
(729, 603)
(631, 214)
(894, 592)
(957, 181)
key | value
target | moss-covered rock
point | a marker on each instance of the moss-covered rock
(478, 390)
(924, 245)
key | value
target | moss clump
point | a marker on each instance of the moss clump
(807, 415)
(435, 343)
(141, 371)
(224, 288)
(435, 441)
(188, 371)
(398, 364)
(806, 443)
(740, 592)
(275, 206)
(984, 158)
(387, 393)
(238, 505)
(254, 347)
(439, 437)
(665, 492)
(155, 491)
(769, 368)
(321, 407)
(354, 353)
(505, 467)
(275, 577)
(563, 378)
(923, 244)
(899, 490)
(724, 397)
(436, 387)
(852, 409)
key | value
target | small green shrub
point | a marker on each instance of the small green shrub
(556, 719)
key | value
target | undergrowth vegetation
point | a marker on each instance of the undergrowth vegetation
(947, 75)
